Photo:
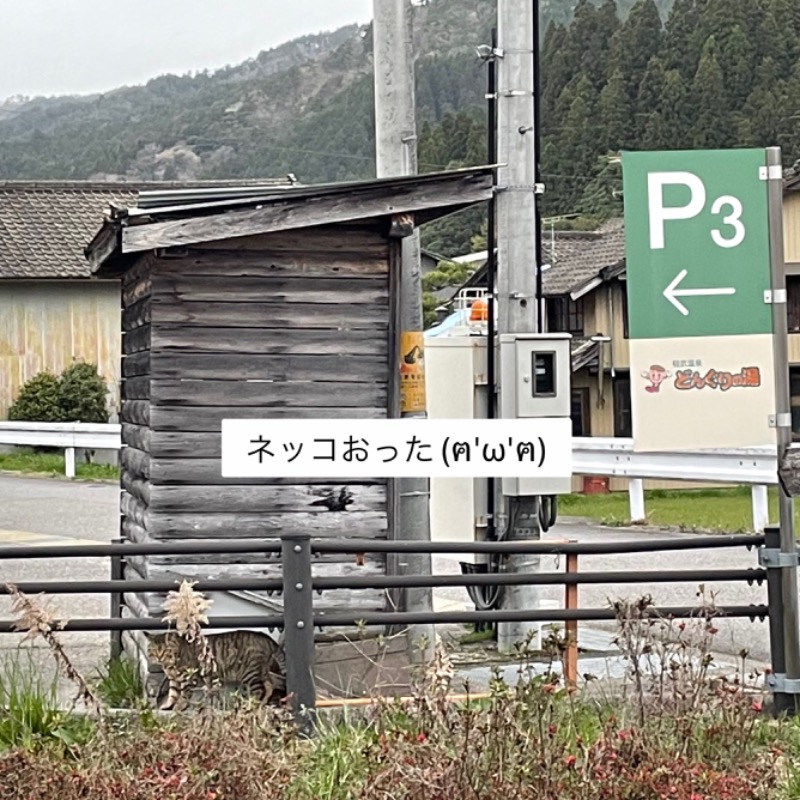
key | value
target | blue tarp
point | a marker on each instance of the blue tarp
(459, 318)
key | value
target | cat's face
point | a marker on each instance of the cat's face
(161, 648)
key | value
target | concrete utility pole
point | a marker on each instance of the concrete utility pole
(396, 154)
(516, 254)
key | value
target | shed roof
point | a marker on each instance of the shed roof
(44, 225)
(130, 230)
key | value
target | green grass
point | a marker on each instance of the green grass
(29, 709)
(28, 461)
(119, 684)
(714, 510)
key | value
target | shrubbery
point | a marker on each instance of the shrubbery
(77, 395)
(37, 400)
(672, 730)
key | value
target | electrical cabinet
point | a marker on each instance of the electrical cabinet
(536, 382)
(455, 376)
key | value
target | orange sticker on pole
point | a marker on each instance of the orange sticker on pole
(412, 372)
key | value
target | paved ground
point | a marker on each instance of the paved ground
(38, 511)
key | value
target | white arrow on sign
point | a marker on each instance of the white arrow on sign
(672, 292)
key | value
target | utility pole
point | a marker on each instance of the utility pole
(517, 265)
(396, 154)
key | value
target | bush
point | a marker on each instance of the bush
(82, 394)
(77, 395)
(38, 400)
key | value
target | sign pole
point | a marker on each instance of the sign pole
(787, 686)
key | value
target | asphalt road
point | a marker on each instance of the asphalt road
(36, 511)
(39, 511)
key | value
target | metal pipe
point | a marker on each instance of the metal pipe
(117, 576)
(529, 615)
(537, 150)
(491, 266)
(788, 542)
(354, 546)
(481, 599)
(542, 547)
(775, 603)
(161, 548)
(384, 618)
(752, 575)
(134, 586)
(94, 625)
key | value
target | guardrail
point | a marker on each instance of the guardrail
(596, 455)
(69, 435)
(614, 457)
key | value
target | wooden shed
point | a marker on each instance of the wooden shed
(276, 304)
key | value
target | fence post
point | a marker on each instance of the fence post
(760, 500)
(636, 500)
(571, 626)
(117, 574)
(777, 648)
(69, 462)
(298, 617)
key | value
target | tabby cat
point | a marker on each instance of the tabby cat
(243, 658)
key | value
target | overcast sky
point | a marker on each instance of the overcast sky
(52, 47)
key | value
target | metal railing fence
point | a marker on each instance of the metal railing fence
(298, 584)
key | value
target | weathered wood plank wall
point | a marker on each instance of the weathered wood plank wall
(300, 329)
(49, 324)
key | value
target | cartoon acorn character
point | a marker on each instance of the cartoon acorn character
(656, 375)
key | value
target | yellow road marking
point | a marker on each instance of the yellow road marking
(39, 539)
(18, 537)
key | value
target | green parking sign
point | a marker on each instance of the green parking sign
(697, 249)
(697, 243)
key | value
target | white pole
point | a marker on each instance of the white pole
(760, 508)
(69, 462)
(636, 498)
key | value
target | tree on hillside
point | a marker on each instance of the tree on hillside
(614, 113)
(651, 90)
(636, 41)
(676, 110)
(577, 151)
(683, 39)
(713, 125)
(556, 74)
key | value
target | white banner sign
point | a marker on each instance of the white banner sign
(396, 448)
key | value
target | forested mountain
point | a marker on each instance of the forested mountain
(718, 73)
(614, 74)
(304, 107)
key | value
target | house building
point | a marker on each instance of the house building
(51, 314)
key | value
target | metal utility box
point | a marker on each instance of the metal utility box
(455, 376)
(536, 383)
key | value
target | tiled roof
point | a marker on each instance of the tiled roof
(577, 258)
(45, 226)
